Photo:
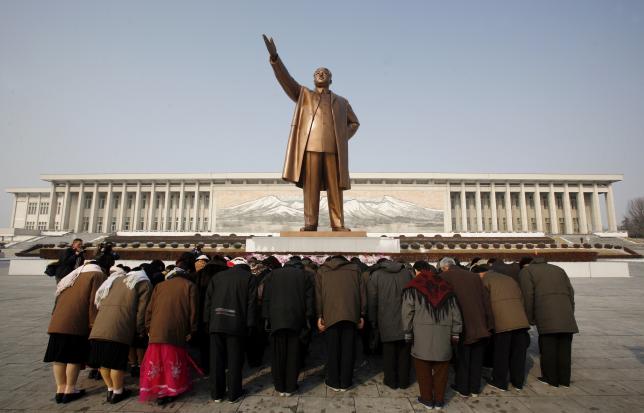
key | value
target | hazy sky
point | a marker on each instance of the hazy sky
(151, 86)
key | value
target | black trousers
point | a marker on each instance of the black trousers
(469, 361)
(255, 346)
(555, 352)
(203, 341)
(226, 353)
(509, 356)
(340, 341)
(396, 363)
(286, 348)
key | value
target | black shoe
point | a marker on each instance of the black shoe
(496, 386)
(238, 398)
(162, 401)
(59, 397)
(70, 397)
(543, 380)
(392, 386)
(122, 396)
(108, 399)
(453, 387)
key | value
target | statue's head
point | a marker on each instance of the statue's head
(322, 77)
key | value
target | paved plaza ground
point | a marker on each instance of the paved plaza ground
(607, 373)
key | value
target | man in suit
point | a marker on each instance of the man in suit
(317, 149)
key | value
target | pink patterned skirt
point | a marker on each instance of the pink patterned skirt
(164, 372)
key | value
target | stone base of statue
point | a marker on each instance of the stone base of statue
(323, 242)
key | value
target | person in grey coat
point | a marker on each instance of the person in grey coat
(384, 300)
(432, 321)
(550, 305)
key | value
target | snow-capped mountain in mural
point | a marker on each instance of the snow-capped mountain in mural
(388, 214)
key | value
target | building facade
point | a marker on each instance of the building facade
(263, 203)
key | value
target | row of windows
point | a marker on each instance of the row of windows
(189, 201)
(41, 225)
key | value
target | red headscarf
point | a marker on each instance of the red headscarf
(432, 290)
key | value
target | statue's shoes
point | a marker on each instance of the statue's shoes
(309, 228)
(341, 229)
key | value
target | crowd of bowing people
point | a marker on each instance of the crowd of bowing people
(208, 316)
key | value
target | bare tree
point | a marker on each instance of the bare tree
(634, 220)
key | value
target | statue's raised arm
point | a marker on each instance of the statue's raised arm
(290, 86)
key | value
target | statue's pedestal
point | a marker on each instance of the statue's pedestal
(324, 234)
(314, 242)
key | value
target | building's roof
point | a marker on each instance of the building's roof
(436, 176)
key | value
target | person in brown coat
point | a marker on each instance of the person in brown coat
(122, 301)
(171, 320)
(550, 305)
(71, 321)
(341, 307)
(510, 339)
(474, 303)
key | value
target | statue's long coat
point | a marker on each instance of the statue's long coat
(345, 122)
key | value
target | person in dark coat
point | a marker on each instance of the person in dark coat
(230, 313)
(258, 336)
(287, 306)
(341, 306)
(70, 259)
(206, 269)
(550, 305)
(474, 303)
(384, 301)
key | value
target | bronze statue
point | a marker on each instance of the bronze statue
(317, 155)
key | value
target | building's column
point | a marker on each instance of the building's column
(107, 216)
(508, 207)
(536, 199)
(479, 209)
(122, 208)
(212, 208)
(495, 218)
(137, 206)
(92, 210)
(524, 210)
(610, 209)
(195, 209)
(166, 207)
(597, 217)
(13, 211)
(181, 200)
(447, 217)
(38, 203)
(26, 212)
(581, 209)
(463, 209)
(152, 211)
(567, 210)
(552, 205)
(64, 219)
(51, 214)
(79, 210)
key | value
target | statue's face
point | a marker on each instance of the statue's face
(322, 77)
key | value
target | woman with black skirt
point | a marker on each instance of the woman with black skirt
(71, 321)
(121, 301)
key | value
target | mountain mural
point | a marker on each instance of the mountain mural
(272, 214)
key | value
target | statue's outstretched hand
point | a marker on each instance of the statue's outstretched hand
(270, 45)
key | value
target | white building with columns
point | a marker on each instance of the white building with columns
(262, 202)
